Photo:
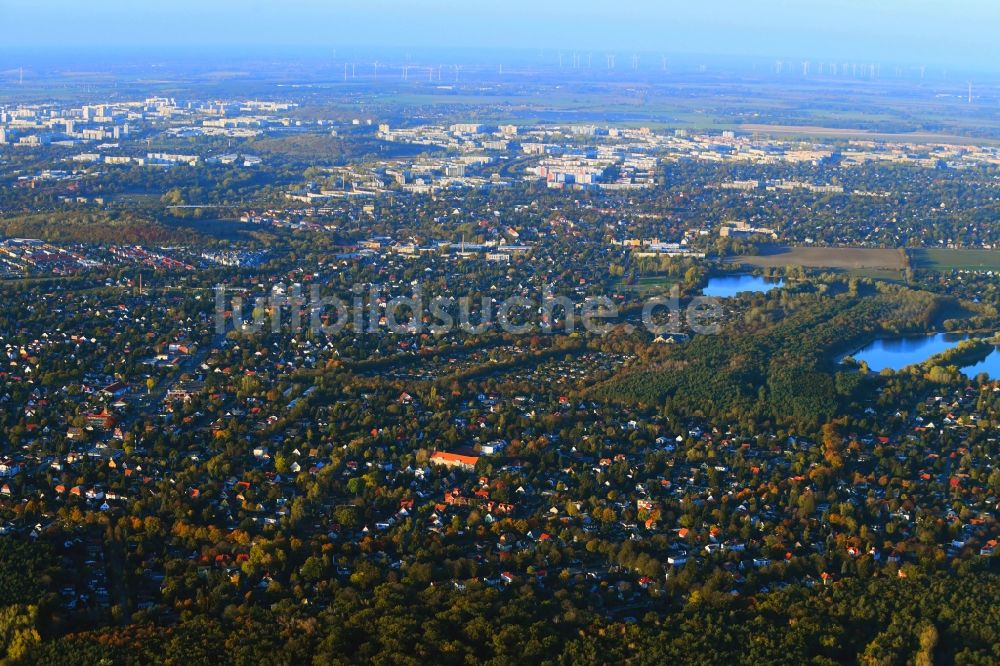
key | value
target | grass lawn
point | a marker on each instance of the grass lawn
(649, 284)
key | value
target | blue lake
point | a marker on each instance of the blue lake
(990, 365)
(897, 353)
(727, 286)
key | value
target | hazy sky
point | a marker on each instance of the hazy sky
(918, 31)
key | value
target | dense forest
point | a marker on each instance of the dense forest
(776, 363)
(94, 227)
(942, 619)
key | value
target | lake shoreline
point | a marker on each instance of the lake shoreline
(899, 352)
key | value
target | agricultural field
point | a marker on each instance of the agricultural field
(942, 259)
(839, 258)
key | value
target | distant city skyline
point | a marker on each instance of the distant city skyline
(918, 31)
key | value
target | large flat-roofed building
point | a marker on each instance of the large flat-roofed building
(461, 461)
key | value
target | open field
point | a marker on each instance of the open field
(942, 259)
(841, 258)
(881, 274)
(785, 131)
(648, 285)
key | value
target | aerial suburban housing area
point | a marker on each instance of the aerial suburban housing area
(420, 353)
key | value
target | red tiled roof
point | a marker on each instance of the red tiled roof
(444, 456)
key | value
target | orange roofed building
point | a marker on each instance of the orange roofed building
(459, 460)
